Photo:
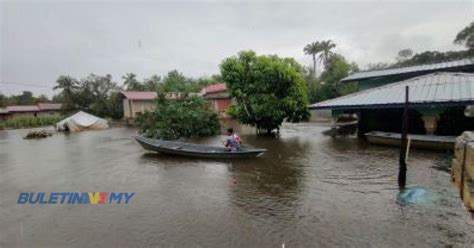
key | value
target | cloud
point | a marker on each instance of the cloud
(42, 40)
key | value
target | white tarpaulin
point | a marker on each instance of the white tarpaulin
(82, 121)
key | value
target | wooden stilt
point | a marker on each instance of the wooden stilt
(402, 172)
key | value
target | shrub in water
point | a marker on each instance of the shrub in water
(184, 117)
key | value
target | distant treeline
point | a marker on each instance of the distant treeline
(25, 98)
(100, 95)
(407, 57)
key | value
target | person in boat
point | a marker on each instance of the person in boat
(233, 141)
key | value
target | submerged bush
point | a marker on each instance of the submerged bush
(30, 121)
(180, 118)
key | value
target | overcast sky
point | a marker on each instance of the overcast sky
(41, 40)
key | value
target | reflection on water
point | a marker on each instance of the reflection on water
(307, 190)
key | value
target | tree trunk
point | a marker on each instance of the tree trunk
(314, 65)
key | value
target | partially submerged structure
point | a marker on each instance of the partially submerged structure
(135, 102)
(462, 172)
(439, 100)
(82, 121)
(218, 96)
(39, 109)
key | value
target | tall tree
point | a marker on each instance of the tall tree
(329, 87)
(26, 98)
(326, 51)
(176, 82)
(404, 54)
(152, 83)
(131, 83)
(267, 89)
(313, 49)
(466, 37)
(95, 94)
(3, 100)
(41, 99)
(68, 87)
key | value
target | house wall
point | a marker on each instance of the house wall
(132, 107)
(220, 102)
(320, 115)
(462, 170)
(28, 114)
(4, 117)
(126, 109)
(221, 105)
(451, 122)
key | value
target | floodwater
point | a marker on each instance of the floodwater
(308, 190)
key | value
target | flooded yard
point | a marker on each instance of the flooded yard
(307, 190)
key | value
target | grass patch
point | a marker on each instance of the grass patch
(30, 121)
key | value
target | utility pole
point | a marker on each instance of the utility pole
(402, 171)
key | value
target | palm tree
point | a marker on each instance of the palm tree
(326, 46)
(313, 49)
(130, 81)
(68, 85)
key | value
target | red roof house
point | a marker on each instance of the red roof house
(23, 108)
(219, 97)
(140, 95)
(29, 110)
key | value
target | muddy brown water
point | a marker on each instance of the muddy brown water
(308, 190)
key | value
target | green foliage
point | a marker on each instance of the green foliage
(131, 82)
(30, 121)
(176, 82)
(95, 94)
(404, 54)
(114, 106)
(152, 83)
(466, 37)
(3, 100)
(267, 89)
(25, 98)
(68, 87)
(183, 117)
(326, 53)
(313, 49)
(327, 86)
(429, 57)
(99, 95)
(406, 58)
(323, 48)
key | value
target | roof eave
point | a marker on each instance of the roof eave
(394, 105)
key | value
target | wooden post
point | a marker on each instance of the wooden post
(402, 171)
(463, 165)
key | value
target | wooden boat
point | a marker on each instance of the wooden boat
(195, 150)
(432, 142)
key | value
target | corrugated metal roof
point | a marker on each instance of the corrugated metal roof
(446, 88)
(403, 70)
(3, 111)
(49, 106)
(140, 95)
(214, 88)
(23, 108)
